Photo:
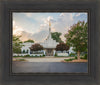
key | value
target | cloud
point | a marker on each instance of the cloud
(13, 23)
(62, 24)
(78, 14)
(17, 30)
(47, 19)
(40, 36)
(25, 36)
(37, 37)
(36, 25)
(28, 14)
(80, 17)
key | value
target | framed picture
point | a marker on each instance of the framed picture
(49, 46)
(49, 42)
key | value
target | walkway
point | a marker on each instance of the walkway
(46, 59)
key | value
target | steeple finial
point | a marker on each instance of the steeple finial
(49, 24)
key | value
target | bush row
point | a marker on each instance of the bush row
(30, 56)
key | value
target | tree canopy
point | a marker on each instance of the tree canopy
(29, 40)
(17, 44)
(56, 36)
(77, 37)
(62, 47)
(36, 47)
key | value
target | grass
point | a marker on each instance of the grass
(17, 56)
(61, 56)
(69, 59)
(82, 57)
(20, 60)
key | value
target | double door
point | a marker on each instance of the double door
(49, 52)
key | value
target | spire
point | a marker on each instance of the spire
(49, 27)
(49, 36)
(49, 24)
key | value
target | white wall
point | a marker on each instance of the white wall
(27, 54)
(26, 46)
(62, 54)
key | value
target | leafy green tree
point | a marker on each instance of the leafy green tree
(56, 36)
(32, 41)
(62, 47)
(77, 37)
(17, 44)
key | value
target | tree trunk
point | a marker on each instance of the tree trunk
(78, 55)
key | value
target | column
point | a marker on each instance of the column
(29, 51)
(44, 52)
(54, 52)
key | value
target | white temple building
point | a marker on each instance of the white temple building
(49, 46)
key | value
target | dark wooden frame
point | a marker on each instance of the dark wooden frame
(92, 78)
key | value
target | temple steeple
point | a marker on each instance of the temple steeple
(49, 27)
(49, 36)
(49, 42)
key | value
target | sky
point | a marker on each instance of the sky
(31, 25)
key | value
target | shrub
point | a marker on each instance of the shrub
(43, 55)
(26, 55)
(72, 54)
(75, 57)
(68, 59)
(55, 54)
(85, 56)
(32, 56)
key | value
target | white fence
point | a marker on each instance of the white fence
(28, 54)
(62, 54)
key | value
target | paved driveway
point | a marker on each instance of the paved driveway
(46, 59)
(58, 67)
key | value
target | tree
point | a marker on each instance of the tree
(62, 47)
(17, 44)
(32, 41)
(36, 47)
(56, 36)
(77, 37)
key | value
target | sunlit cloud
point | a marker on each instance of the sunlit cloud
(78, 14)
(36, 25)
(28, 14)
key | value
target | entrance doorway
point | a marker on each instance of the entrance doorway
(49, 52)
